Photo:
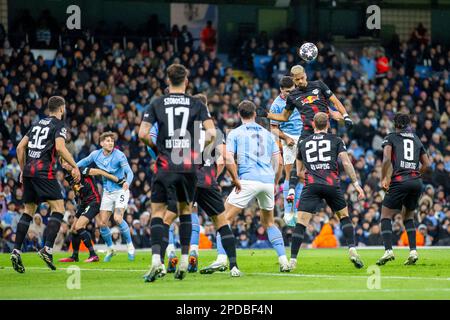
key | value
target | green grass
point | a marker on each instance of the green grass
(321, 274)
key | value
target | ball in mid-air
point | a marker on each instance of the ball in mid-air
(308, 51)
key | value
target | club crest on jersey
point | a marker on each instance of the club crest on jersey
(309, 99)
(315, 91)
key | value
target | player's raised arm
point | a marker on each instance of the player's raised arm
(338, 104)
(350, 170)
(21, 154)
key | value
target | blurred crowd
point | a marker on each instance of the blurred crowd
(107, 86)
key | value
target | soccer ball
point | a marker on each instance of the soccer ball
(308, 51)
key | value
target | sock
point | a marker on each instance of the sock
(171, 246)
(86, 237)
(298, 193)
(185, 233)
(195, 235)
(411, 231)
(229, 244)
(105, 232)
(386, 233)
(287, 206)
(293, 179)
(297, 239)
(220, 249)
(165, 241)
(54, 223)
(276, 239)
(157, 232)
(75, 244)
(22, 230)
(348, 231)
(125, 231)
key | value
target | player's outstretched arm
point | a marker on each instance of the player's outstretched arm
(280, 134)
(282, 117)
(386, 167)
(103, 173)
(338, 104)
(350, 171)
(21, 152)
(232, 169)
(60, 145)
(87, 161)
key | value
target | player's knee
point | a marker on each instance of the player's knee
(118, 219)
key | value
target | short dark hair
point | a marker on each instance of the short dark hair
(201, 97)
(401, 120)
(246, 109)
(177, 73)
(286, 82)
(321, 120)
(55, 102)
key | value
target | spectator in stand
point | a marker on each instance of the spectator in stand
(208, 37)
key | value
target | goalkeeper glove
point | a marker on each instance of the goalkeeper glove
(348, 121)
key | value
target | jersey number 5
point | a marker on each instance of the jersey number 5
(39, 134)
(321, 147)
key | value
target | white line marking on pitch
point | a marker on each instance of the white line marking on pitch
(262, 274)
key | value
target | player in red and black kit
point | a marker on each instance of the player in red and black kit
(309, 98)
(89, 199)
(318, 154)
(176, 115)
(37, 153)
(401, 177)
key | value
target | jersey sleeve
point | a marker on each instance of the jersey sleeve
(149, 114)
(231, 142)
(340, 146)
(275, 148)
(290, 103)
(61, 131)
(387, 141)
(325, 90)
(274, 108)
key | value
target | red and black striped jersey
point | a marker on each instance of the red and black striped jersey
(405, 157)
(41, 150)
(309, 100)
(86, 190)
(319, 153)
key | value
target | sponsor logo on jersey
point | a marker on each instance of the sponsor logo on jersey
(315, 91)
(310, 99)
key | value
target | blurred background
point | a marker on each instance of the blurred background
(112, 67)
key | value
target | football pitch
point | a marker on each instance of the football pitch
(320, 274)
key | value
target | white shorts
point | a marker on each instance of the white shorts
(115, 200)
(263, 192)
(289, 153)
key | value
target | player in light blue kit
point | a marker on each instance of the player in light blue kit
(115, 198)
(289, 132)
(259, 168)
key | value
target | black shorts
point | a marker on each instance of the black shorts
(89, 211)
(37, 190)
(313, 194)
(173, 187)
(403, 194)
(210, 200)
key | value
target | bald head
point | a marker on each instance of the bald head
(321, 121)
(299, 75)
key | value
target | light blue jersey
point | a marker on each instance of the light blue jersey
(153, 135)
(294, 125)
(254, 147)
(115, 163)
